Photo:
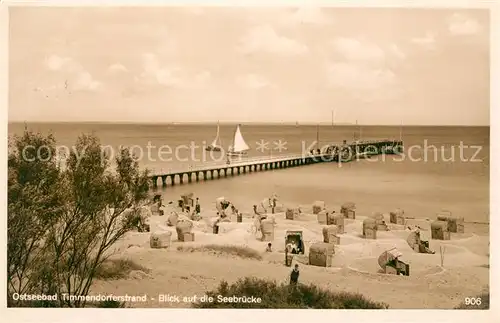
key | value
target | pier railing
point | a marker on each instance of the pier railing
(236, 165)
(214, 164)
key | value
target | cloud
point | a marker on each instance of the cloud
(308, 15)
(396, 52)
(57, 63)
(117, 68)
(349, 75)
(428, 41)
(76, 77)
(366, 52)
(203, 77)
(264, 39)
(84, 81)
(363, 68)
(155, 73)
(355, 50)
(253, 81)
(170, 76)
(459, 24)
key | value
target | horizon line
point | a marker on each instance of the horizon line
(260, 123)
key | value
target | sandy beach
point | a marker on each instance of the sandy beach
(465, 272)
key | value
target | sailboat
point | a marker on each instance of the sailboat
(239, 147)
(216, 144)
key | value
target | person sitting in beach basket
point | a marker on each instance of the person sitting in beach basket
(294, 243)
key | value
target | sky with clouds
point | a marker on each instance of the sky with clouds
(184, 64)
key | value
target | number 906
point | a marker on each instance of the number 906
(473, 301)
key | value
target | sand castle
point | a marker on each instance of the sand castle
(397, 216)
(160, 239)
(330, 235)
(439, 230)
(369, 228)
(455, 225)
(348, 209)
(321, 254)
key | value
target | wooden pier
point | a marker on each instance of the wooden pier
(217, 169)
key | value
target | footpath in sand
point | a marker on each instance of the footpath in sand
(354, 269)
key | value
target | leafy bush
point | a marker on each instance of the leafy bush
(117, 269)
(281, 296)
(242, 252)
(63, 221)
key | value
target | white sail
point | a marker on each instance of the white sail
(216, 142)
(239, 144)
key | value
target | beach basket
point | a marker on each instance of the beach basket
(330, 235)
(155, 209)
(338, 220)
(413, 241)
(455, 224)
(186, 237)
(292, 213)
(318, 206)
(321, 254)
(397, 216)
(380, 221)
(322, 217)
(160, 239)
(267, 229)
(439, 230)
(369, 228)
(348, 210)
(173, 218)
(183, 227)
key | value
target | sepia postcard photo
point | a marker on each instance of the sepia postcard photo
(248, 157)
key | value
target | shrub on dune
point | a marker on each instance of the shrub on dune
(281, 296)
(242, 252)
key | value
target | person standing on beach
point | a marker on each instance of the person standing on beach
(294, 275)
(197, 207)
